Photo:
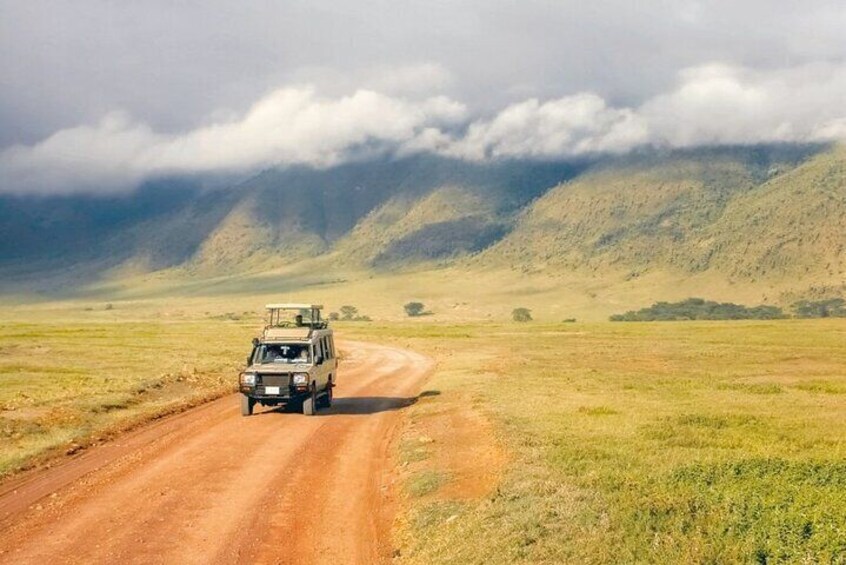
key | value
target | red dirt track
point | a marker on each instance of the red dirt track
(210, 486)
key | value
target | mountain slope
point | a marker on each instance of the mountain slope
(688, 213)
(791, 227)
(768, 217)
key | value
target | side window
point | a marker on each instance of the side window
(332, 346)
(318, 348)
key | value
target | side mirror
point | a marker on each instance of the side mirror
(318, 360)
(249, 360)
(255, 342)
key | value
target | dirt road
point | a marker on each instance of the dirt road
(209, 486)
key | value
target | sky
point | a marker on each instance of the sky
(98, 95)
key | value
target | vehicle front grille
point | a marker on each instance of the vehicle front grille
(275, 380)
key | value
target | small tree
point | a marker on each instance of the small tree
(414, 309)
(334, 316)
(521, 315)
(348, 312)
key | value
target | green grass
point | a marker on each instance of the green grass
(63, 385)
(704, 442)
(425, 482)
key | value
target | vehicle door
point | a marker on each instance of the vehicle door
(324, 368)
(331, 341)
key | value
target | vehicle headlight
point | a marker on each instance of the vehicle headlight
(248, 379)
(300, 378)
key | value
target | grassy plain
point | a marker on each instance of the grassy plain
(638, 442)
(645, 442)
(65, 384)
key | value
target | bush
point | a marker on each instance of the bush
(348, 312)
(521, 315)
(414, 309)
(699, 309)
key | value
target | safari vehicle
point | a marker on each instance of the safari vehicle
(293, 363)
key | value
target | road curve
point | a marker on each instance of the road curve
(209, 486)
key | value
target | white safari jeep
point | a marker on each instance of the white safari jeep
(293, 363)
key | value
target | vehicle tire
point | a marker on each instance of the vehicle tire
(310, 403)
(328, 395)
(247, 405)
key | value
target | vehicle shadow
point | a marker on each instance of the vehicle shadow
(367, 405)
(374, 404)
(362, 405)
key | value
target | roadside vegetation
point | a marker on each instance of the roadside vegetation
(67, 385)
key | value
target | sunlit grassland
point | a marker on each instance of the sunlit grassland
(64, 384)
(628, 442)
(659, 442)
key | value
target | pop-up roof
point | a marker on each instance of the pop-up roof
(290, 306)
(310, 315)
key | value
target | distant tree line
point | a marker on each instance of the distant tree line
(699, 309)
(830, 308)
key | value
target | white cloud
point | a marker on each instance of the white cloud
(709, 104)
(715, 104)
(288, 126)
(568, 126)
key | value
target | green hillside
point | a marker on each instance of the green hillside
(746, 224)
(776, 222)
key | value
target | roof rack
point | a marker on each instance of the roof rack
(294, 306)
(308, 316)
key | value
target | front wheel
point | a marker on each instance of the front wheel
(310, 403)
(247, 405)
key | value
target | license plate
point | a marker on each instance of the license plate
(271, 390)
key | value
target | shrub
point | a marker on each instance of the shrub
(348, 312)
(333, 316)
(521, 315)
(414, 309)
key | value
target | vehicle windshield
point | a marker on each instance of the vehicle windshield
(277, 353)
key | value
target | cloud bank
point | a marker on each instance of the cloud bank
(707, 104)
